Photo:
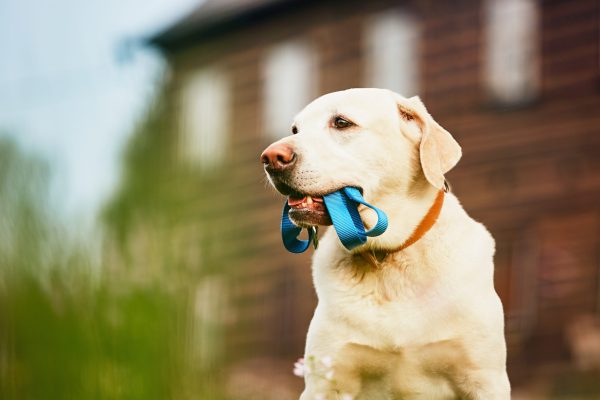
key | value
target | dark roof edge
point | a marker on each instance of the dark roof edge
(186, 32)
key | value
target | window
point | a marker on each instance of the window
(205, 109)
(290, 84)
(392, 41)
(511, 63)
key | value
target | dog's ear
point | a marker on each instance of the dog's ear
(439, 152)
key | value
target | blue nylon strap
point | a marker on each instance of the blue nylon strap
(343, 210)
(290, 232)
(342, 206)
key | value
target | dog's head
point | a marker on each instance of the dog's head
(372, 139)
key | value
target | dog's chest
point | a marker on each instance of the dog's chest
(396, 324)
(397, 305)
(421, 372)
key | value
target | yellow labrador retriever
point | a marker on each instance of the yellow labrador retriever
(413, 313)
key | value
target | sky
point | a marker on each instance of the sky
(74, 79)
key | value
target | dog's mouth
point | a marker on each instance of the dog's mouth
(308, 209)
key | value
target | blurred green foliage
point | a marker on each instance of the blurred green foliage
(149, 178)
(87, 345)
(69, 329)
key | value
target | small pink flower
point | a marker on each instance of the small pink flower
(329, 375)
(300, 368)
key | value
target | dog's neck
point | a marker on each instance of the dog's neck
(410, 217)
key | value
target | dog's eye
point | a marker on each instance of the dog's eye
(294, 130)
(341, 123)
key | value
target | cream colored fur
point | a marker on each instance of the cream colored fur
(428, 323)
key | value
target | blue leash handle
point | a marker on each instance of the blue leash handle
(343, 210)
(290, 232)
(342, 206)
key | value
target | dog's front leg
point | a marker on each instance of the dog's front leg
(342, 384)
(487, 385)
(326, 375)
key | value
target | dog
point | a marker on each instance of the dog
(413, 313)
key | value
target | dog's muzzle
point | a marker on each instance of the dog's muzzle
(279, 161)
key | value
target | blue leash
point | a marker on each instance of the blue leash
(343, 210)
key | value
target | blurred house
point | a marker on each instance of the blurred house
(515, 81)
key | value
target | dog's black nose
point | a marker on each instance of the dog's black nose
(278, 157)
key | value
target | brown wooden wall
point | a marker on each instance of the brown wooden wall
(531, 174)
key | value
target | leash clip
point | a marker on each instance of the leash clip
(315, 237)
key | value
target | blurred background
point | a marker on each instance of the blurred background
(140, 255)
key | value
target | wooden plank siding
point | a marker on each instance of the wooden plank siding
(530, 174)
